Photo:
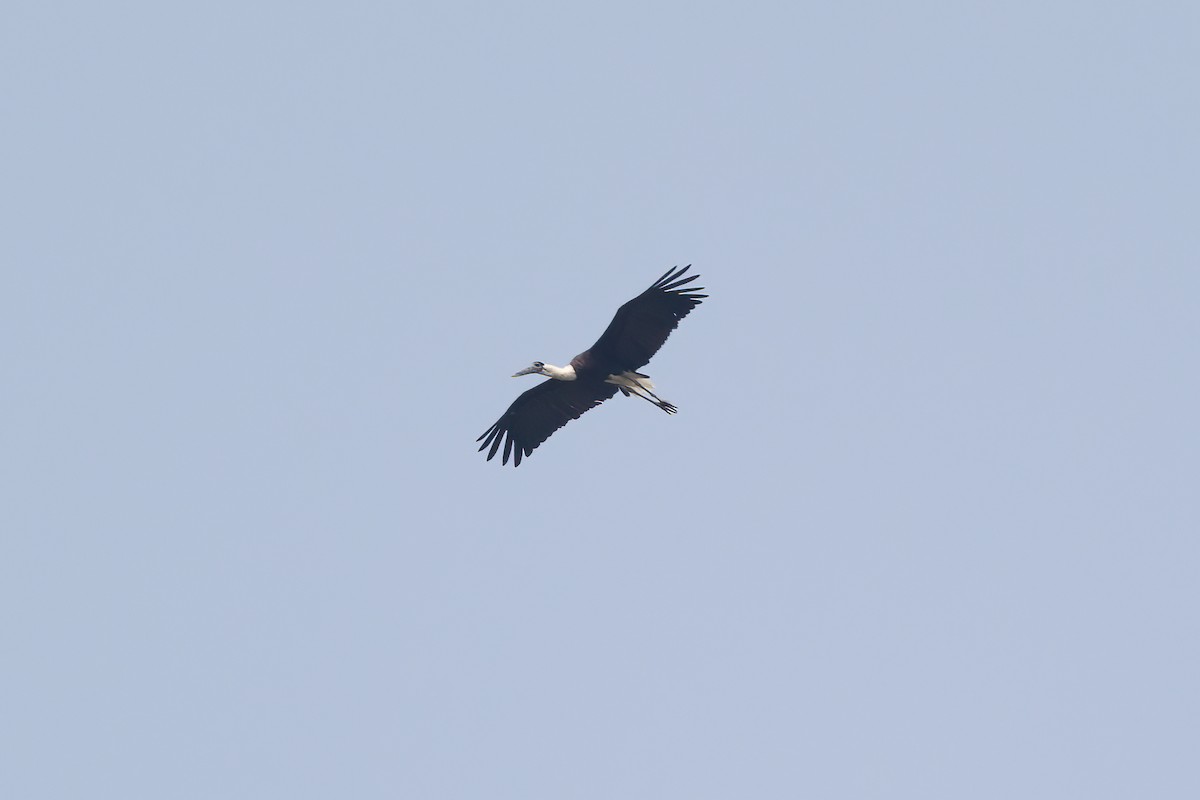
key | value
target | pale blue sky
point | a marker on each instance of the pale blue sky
(924, 527)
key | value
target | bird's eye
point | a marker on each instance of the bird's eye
(538, 364)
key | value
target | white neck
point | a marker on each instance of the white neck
(566, 373)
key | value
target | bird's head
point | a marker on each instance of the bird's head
(537, 368)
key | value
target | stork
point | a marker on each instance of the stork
(635, 334)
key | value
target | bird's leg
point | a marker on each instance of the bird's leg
(663, 404)
(658, 401)
(647, 391)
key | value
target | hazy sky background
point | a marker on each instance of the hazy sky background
(925, 525)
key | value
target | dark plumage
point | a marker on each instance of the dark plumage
(637, 331)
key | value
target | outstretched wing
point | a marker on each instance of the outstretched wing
(539, 412)
(642, 325)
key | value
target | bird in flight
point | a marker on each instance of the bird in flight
(635, 334)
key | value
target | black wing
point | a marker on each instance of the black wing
(642, 325)
(539, 412)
